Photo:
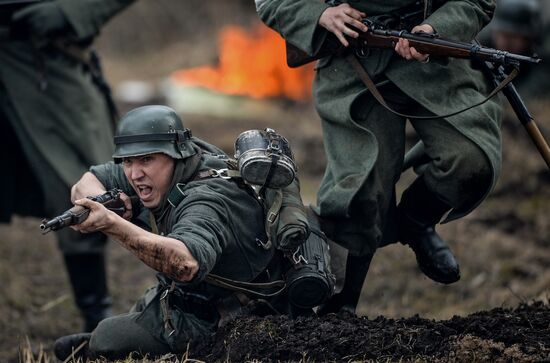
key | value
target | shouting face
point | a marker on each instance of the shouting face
(150, 176)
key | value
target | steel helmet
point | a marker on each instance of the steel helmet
(522, 17)
(152, 129)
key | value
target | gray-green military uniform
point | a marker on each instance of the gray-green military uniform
(364, 142)
(55, 123)
(222, 224)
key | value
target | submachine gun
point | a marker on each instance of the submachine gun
(78, 214)
(500, 66)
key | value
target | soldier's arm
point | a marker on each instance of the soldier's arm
(88, 185)
(164, 254)
(101, 178)
(296, 20)
(88, 16)
(203, 225)
(462, 19)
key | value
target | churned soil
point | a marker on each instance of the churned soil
(520, 334)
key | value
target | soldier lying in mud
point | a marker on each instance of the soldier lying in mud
(208, 238)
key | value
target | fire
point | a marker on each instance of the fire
(251, 64)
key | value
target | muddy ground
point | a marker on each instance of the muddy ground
(503, 247)
(521, 334)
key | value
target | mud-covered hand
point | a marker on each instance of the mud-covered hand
(45, 20)
(338, 20)
(99, 219)
(406, 51)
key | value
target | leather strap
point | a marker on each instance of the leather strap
(364, 76)
(271, 218)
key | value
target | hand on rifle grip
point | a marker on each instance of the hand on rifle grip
(338, 20)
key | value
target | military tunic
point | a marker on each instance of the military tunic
(222, 224)
(365, 144)
(55, 119)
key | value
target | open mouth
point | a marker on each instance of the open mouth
(145, 192)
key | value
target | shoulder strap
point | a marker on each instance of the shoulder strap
(176, 196)
(364, 76)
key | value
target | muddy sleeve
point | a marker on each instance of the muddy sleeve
(296, 20)
(462, 19)
(112, 176)
(88, 16)
(201, 223)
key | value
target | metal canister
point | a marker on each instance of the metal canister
(264, 158)
(309, 281)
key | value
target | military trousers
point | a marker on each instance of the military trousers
(30, 185)
(459, 173)
(143, 330)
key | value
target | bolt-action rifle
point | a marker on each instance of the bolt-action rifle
(378, 36)
(78, 214)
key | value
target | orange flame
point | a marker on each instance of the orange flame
(251, 64)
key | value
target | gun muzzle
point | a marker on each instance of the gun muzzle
(49, 225)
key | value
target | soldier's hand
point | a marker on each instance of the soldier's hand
(127, 206)
(100, 218)
(403, 49)
(44, 20)
(337, 20)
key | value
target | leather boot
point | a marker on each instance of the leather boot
(76, 345)
(347, 299)
(89, 283)
(419, 211)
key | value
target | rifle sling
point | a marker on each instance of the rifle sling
(364, 76)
